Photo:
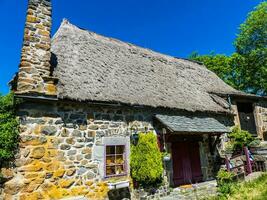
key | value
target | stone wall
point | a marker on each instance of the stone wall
(35, 70)
(260, 113)
(61, 149)
(207, 160)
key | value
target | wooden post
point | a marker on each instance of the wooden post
(249, 166)
(227, 164)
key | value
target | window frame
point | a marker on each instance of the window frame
(124, 159)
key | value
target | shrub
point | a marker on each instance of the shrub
(254, 189)
(146, 160)
(224, 176)
(225, 183)
(240, 138)
(8, 128)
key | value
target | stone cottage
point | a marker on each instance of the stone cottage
(84, 96)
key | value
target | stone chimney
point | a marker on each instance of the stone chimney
(35, 72)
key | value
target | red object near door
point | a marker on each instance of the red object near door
(186, 163)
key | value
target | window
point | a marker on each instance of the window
(115, 160)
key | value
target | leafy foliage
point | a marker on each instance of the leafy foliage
(251, 51)
(253, 32)
(225, 183)
(8, 128)
(218, 63)
(246, 69)
(240, 138)
(146, 160)
(255, 189)
(224, 176)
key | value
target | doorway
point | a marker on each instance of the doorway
(246, 117)
(186, 163)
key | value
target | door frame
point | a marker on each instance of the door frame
(187, 139)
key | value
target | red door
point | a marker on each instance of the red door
(186, 163)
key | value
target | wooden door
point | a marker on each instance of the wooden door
(186, 163)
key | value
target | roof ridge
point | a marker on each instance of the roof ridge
(68, 23)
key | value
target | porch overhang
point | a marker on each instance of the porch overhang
(192, 124)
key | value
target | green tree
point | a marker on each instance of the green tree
(246, 69)
(8, 128)
(146, 160)
(218, 63)
(240, 138)
(250, 59)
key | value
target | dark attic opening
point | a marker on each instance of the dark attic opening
(246, 117)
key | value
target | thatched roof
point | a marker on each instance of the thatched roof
(91, 67)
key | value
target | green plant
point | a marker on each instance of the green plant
(245, 69)
(225, 182)
(240, 138)
(8, 128)
(146, 160)
(224, 176)
(250, 59)
(229, 147)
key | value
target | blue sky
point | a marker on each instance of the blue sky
(174, 27)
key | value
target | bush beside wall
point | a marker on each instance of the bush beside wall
(8, 128)
(146, 160)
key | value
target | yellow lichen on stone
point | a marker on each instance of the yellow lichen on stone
(37, 129)
(71, 171)
(33, 142)
(31, 19)
(79, 190)
(31, 175)
(54, 165)
(33, 185)
(90, 195)
(79, 182)
(65, 183)
(89, 183)
(52, 153)
(51, 191)
(40, 26)
(35, 166)
(31, 196)
(56, 193)
(59, 173)
(38, 152)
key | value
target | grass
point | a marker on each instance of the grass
(253, 190)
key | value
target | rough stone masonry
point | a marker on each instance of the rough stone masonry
(61, 150)
(35, 70)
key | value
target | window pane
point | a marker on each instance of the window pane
(110, 170)
(110, 160)
(119, 169)
(119, 149)
(110, 150)
(115, 160)
(119, 159)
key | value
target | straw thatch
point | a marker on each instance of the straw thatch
(91, 67)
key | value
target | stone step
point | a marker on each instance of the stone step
(197, 191)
